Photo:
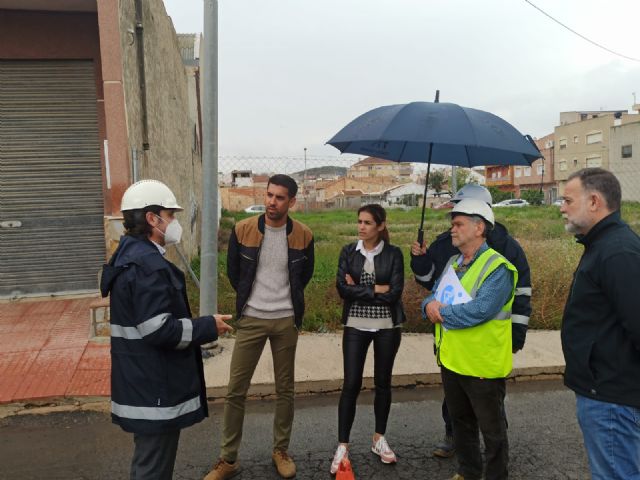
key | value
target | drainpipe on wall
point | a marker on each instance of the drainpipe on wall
(141, 73)
(135, 176)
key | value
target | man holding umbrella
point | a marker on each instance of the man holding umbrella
(473, 340)
(428, 264)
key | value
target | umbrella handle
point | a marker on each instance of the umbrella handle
(420, 236)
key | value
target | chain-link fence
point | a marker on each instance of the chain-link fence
(343, 182)
(331, 189)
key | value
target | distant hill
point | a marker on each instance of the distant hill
(328, 171)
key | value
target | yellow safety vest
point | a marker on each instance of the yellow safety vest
(483, 350)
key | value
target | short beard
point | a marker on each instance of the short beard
(573, 228)
(276, 216)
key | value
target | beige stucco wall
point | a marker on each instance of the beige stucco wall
(237, 199)
(368, 185)
(581, 150)
(173, 155)
(392, 169)
(627, 170)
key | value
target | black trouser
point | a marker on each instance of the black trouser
(475, 402)
(448, 427)
(355, 344)
(154, 456)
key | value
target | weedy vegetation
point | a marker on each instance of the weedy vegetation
(553, 256)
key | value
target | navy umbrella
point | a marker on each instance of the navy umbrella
(433, 132)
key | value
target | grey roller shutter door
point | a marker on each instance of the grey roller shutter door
(51, 200)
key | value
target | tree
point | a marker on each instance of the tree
(437, 180)
(463, 176)
(534, 197)
(498, 195)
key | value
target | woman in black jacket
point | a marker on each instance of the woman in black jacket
(370, 280)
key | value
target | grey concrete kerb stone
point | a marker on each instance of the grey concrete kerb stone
(319, 363)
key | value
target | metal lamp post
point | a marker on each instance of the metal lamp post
(304, 180)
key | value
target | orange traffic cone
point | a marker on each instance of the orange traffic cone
(345, 472)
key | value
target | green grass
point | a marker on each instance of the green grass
(552, 253)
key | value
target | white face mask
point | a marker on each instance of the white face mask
(173, 233)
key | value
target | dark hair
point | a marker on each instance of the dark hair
(284, 181)
(135, 221)
(379, 215)
(601, 181)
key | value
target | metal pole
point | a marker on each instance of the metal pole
(424, 199)
(426, 184)
(209, 247)
(182, 256)
(304, 180)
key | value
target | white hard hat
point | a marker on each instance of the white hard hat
(472, 206)
(148, 192)
(472, 190)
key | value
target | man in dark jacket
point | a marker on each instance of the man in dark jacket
(427, 265)
(157, 377)
(601, 325)
(269, 263)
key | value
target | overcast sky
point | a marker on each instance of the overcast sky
(293, 72)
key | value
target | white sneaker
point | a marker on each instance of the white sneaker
(341, 453)
(381, 448)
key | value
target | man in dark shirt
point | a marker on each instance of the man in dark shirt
(601, 326)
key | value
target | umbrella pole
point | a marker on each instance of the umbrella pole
(426, 184)
(424, 198)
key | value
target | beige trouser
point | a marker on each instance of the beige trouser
(252, 334)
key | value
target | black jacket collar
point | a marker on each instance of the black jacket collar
(261, 223)
(599, 228)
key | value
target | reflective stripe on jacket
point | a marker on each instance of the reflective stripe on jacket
(485, 349)
(157, 376)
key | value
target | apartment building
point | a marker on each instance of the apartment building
(540, 175)
(624, 157)
(378, 167)
(582, 140)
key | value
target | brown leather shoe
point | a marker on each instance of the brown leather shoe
(284, 463)
(223, 470)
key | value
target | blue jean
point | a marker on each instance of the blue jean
(612, 438)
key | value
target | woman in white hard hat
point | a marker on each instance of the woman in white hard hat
(157, 376)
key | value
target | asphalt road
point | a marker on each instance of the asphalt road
(545, 441)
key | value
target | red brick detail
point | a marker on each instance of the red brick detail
(90, 383)
(50, 374)
(96, 357)
(23, 341)
(13, 368)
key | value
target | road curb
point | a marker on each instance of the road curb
(261, 391)
(315, 387)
